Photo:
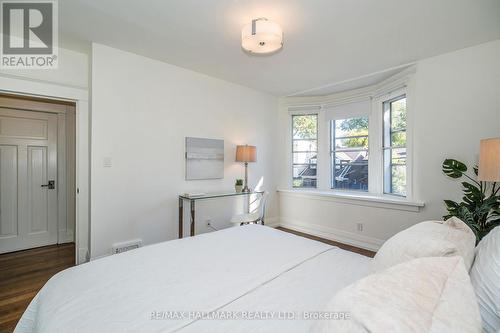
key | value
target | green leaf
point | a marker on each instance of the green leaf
(450, 204)
(452, 208)
(465, 215)
(473, 194)
(493, 220)
(453, 168)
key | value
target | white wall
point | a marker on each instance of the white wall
(142, 110)
(457, 103)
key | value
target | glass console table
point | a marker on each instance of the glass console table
(192, 200)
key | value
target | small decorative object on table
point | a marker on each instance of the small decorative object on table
(238, 186)
(480, 208)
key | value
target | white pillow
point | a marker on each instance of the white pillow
(485, 277)
(423, 295)
(428, 239)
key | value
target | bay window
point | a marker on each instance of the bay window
(353, 142)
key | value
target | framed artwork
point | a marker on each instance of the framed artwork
(204, 158)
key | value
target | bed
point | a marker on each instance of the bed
(198, 284)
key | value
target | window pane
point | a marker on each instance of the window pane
(304, 150)
(398, 173)
(350, 170)
(305, 127)
(350, 153)
(351, 127)
(398, 139)
(359, 142)
(305, 145)
(304, 175)
(398, 114)
(304, 158)
(398, 156)
(395, 144)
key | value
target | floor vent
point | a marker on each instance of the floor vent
(127, 246)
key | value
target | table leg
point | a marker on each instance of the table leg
(192, 217)
(181, 217)
(248, 198)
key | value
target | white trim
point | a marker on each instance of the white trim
(344, 237)
(33, 88)
(359, 199)
(27, 87)
(375, 160)
(61, 186)
(298, 110)
(410, 125)
(66, 164)
(323, 179)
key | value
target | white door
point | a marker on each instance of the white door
(28, 162)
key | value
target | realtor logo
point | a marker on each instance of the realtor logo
(29, 34)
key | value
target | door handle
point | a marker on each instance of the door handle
(51, 185)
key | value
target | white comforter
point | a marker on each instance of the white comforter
(250, 268)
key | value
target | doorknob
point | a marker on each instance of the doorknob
(51, 185)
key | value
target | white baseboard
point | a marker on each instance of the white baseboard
(341, 236)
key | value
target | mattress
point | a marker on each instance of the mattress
(171, 286)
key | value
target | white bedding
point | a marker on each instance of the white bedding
(251, 267)
(306, 288)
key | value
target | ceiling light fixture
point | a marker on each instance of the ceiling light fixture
(262, 36)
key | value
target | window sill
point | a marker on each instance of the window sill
(361, 199)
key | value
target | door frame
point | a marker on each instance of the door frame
(79, 96)
(65, 190)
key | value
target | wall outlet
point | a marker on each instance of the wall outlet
(359, 227)
(107, 162)
(208, 223)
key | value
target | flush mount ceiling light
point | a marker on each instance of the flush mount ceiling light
(262, 36)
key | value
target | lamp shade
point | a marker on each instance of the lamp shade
(489, 160)
(246, 153)
(261, 36)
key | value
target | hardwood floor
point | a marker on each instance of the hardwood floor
(23, 273)
(355, 249)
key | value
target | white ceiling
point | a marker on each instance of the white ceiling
(328, 43)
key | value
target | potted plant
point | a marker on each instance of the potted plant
(238, 186)
(480, 206)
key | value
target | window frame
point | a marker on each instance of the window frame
(387, 132)
(333, 150)
(292, 116)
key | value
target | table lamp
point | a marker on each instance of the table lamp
(489, 160)
(246, 154)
